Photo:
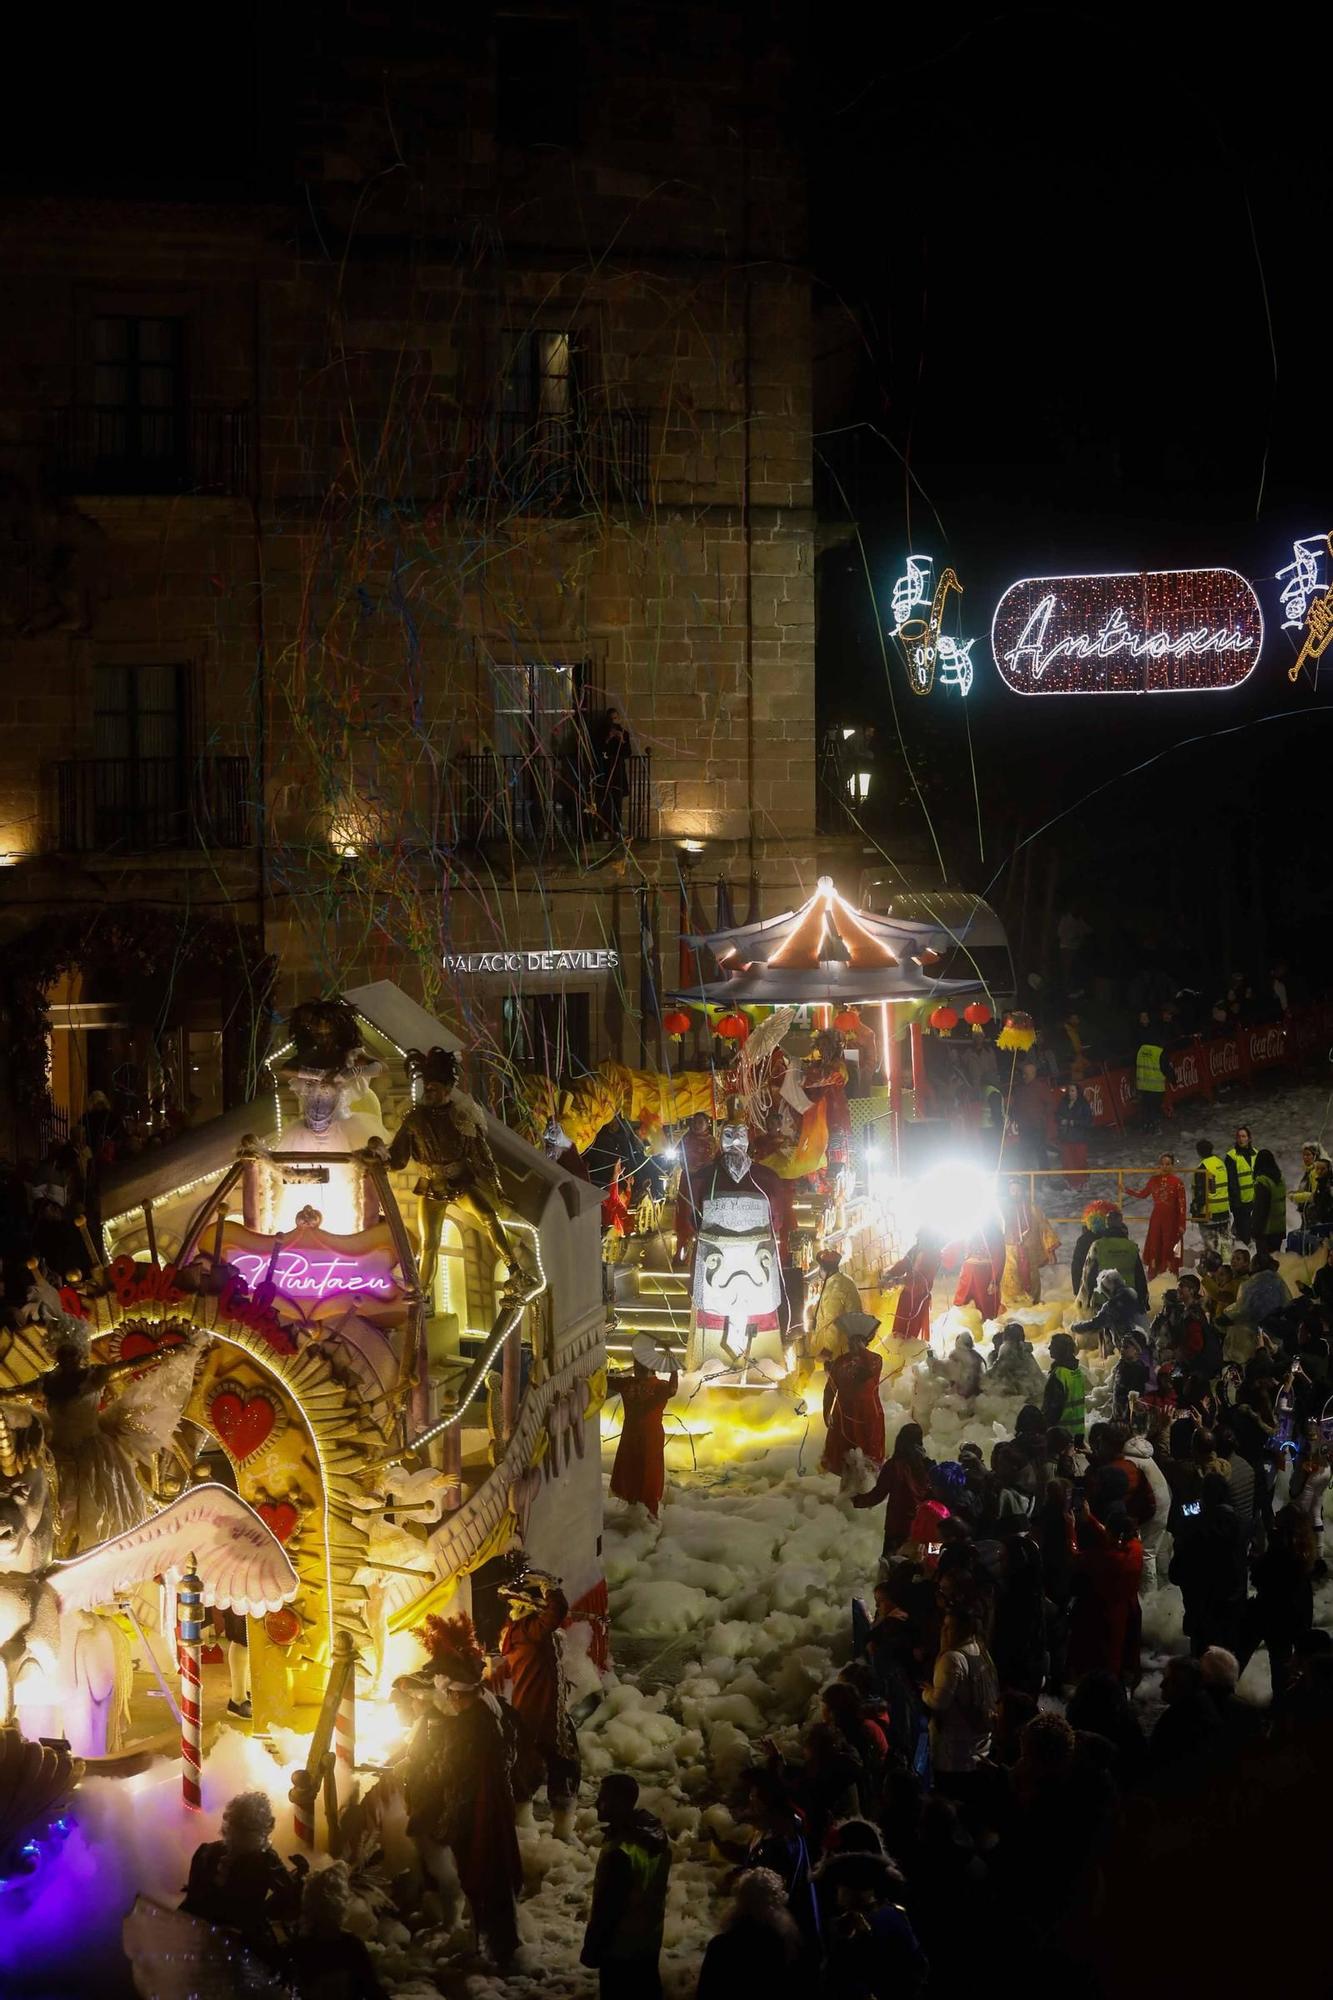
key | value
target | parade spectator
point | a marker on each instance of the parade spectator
(961, 1698)
(1014, 1369)
(1104, 1620)
(1282, 1609)
(1117, 1312)
(623, 1938)
(1113, 1249)
(905, 1480)
(1269, 1213)
(759, 1944)
(1031, 1117)
(873, 1952)
(1208, 1565)
(1065, 1397)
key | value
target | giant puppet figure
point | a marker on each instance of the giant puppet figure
(737, 1268)
(446, 1135)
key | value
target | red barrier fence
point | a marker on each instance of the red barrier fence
(1303, 1038)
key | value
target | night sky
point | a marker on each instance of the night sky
(1062, 235)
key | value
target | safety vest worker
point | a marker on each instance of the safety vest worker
(1217, 1196)
(1242, 1165)
(1148, 1072)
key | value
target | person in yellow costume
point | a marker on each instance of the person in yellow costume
(837, 1295)
(1029, 1244)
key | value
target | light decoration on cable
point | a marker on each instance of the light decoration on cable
(925, 646)
(1175, 631)
(1307, 597)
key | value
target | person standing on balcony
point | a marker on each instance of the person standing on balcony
(613, 761)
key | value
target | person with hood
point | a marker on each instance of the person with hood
(1165, 1240)
(963, 1369)
(1094, 1223)
(623, 1938)
(1014, 1369)
(905, 1480)
(1240, 1183)
(1269, 1213)
(758, 1947)
(1152, 1528)
(530, 1661)
(1129, 1379)
(1115, 1250)
(1208, 1565)
(872, 1952)
(1264, 1292)
(639, 1473)
(1064, 1399)
(1117, 1312)
(853, 1413)
(1104, 1625)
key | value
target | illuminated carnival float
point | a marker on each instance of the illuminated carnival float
(343, 1359)
(794, 1147)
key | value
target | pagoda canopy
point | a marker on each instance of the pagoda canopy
(828, 954)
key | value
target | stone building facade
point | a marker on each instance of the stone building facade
(342, 514)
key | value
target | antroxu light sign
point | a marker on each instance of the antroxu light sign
(1173, 631)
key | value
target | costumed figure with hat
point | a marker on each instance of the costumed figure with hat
(916, 1273)
(639, 1473)
(853, 1413)
(446, 1136)
(457, 1777)
(737, 1292)
(532, 1666)
(982, 1273)
(838, 1294)
(1029, 1244)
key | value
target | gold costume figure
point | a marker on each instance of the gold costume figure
(447, 1137)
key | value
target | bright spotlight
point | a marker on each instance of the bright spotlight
(873, 1155)
(955, 1200)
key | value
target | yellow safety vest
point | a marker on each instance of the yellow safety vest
(1244, 1177)
(1219, 1195)
(1148, 1070)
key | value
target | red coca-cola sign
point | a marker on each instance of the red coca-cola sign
(1266, 1045)
(1187, 1070)
(1224, 1058)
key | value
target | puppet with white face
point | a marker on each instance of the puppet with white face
(737, 1270)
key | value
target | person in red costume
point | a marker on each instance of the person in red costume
(916, 1273)
(530, 1664)
(853, 1413)
(1166, 1225)
(698, 1150)
(615, 1206)
(1105, 1626)
(824, 1078)
(983, 1268)
(639, 1473)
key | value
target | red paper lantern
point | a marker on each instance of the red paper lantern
(943, 1019)
(676, 1023)
(848, 1021)
(733, 1027)
(977, 1015)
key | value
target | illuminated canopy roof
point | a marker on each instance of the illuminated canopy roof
(827, 953)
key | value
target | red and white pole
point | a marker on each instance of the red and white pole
(344, 1722)
(190, 1636)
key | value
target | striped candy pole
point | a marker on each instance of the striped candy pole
(302, 1796)
(190, 1613)
(344, 1722)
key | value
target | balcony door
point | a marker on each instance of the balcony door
(138, 411)
(140, 756)
(539, 730)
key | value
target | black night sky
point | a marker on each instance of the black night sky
(1083, 256)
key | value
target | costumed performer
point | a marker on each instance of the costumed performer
(639, 1473)
(530, 1662)
(916, 1273)
(1165, 1241)
(982, 1273)
(457, 1780)
(853, 1413)
(446, 1135)
(1030, 1243)
(737, 1292)
(837, 1295)
(241, 1882)
(98, 1451)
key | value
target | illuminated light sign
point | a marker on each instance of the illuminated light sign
(531, 961)
(1173, 631)
(1307, 597)
(925, 646)
(306, 1276)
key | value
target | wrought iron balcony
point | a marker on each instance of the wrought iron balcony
(126, 805)
(550, 464)
(115, 450)
(543, 803)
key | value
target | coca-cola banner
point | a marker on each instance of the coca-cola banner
(1266, 1046)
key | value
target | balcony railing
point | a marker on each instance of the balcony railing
(135, 806)
(543, 803)
(191, 450)
(544, 464)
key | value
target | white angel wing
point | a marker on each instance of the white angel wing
(241, 1563)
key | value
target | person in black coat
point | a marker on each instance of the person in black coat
(1208, 1565)
(1282, 1609)
(240, 1881)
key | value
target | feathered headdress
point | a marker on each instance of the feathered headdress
(453, 1646)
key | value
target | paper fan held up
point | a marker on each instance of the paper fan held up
(1019, 1032)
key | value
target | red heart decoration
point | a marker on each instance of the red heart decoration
(243, 1424)
(280, 1516)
